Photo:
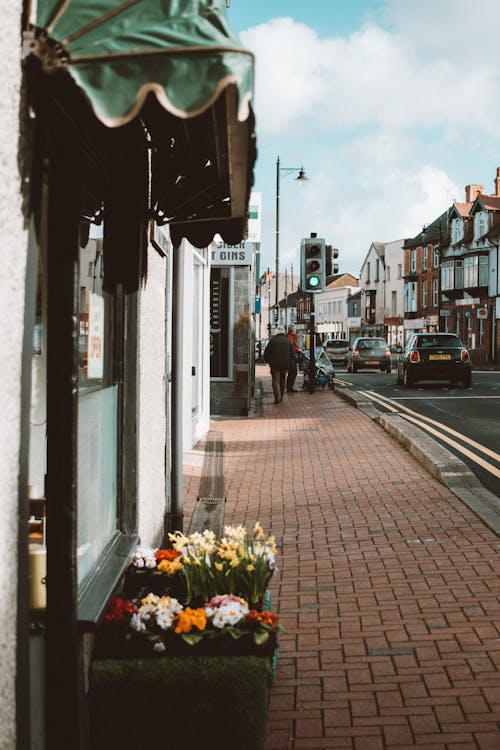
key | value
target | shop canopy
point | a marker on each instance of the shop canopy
(177, 66)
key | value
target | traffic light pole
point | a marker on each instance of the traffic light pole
(312, 365)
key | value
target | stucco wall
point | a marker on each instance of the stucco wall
(152, 413)
(13, 244)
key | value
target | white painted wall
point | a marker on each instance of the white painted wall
(152, 428)
(13, 253)
(194, 429)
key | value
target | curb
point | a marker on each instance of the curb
(439, 461)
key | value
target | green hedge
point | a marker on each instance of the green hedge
(186, 702)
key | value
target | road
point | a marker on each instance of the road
(466, 421)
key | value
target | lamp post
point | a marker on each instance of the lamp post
(302, 177)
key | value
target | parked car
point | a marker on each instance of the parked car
(434, 356)
(396, 348)
(337, 350)
(369, 354)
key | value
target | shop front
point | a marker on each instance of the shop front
(139, 120)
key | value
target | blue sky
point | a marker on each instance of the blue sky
(391, 106)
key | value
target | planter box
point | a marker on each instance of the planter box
(179, 701)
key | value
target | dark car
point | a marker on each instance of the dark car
(369, 354)
(434, 356)
(337, 350)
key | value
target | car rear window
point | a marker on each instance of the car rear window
(336, 344)
(372, 344)
(436, 342)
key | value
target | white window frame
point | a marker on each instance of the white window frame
(424, 293)
(435, 293)
(457, 230)
(413, 261)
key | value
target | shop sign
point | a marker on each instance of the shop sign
(467, 301)
(219, 323)
(95, 340)
(232, 255)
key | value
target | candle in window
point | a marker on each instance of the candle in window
(38, 575)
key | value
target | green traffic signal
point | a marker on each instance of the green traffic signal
(313, 281)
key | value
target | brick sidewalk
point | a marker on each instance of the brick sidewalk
(388, 586)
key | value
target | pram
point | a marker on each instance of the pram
(324, 370)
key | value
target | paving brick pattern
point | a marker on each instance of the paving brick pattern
(389, 587)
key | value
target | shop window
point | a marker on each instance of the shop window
(97, 412)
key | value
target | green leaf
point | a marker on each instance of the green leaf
(260, 637)
(192, 638)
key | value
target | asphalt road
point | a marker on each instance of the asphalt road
(465, 421)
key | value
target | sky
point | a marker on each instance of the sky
(391, 107)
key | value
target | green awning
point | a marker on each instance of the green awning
(176, 70)
(118, 51)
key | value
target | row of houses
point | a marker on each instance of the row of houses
(445, 278)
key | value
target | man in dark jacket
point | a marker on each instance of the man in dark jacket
(279, 354)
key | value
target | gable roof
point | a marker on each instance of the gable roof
(345, 279)
(488, 202)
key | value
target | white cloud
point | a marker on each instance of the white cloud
(371, 78)
(380, 118)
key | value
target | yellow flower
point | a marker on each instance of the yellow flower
(234, 562)
(259, 531)
(250, 568)
(218, 566)
(169, 566)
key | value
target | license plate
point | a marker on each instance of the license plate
(372, 362)
(439, 356)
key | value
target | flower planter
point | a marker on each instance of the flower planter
(179, 658)
(174, 701)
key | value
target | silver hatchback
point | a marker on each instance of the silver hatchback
(369, 354)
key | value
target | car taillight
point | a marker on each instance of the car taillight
(356, 352)
(414, 356)
(464, 355)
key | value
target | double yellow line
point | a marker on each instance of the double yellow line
(427, 423)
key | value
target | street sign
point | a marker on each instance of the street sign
(482, 312)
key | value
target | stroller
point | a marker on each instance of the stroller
(325, 373)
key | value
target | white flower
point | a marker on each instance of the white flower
(164, 619)
(136, 623)
(229, 614)
(144, 557)
(159, 647)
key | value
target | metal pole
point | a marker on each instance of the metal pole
(175, 520)
(269, 303)
(312, 366)
(277, 232)
(286, 297)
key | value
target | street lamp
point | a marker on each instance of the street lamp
(302, 177)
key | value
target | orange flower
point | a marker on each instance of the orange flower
(266, 617)
(189, 618)
(166, 554)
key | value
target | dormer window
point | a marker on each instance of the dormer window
(480, 224)
(457, 230)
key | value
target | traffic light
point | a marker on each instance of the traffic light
(331, 267)
(312, 264)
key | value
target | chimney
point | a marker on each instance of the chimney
(497, 183)
(472, 191)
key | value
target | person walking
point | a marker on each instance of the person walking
(279, 355)
(292, 370)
